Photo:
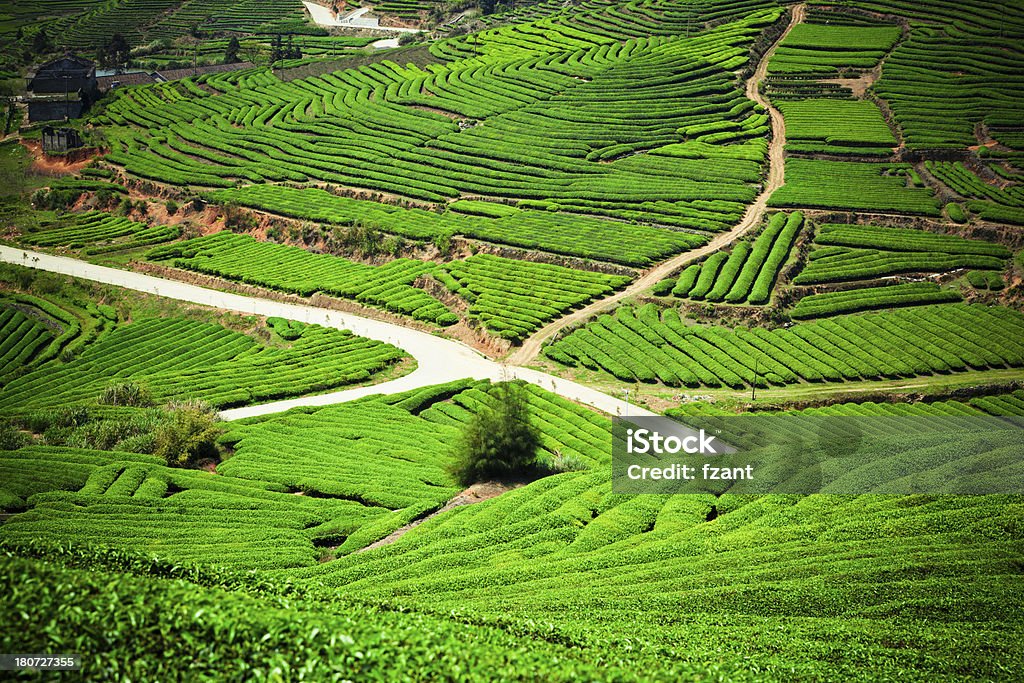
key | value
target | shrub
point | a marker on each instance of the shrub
(664, 287)
(499, 441)
(447, 319)
(171, 206)
(10, 438)
(443, 242)
(126, 394)
(189, 435)
(956, 213)
(237, 220)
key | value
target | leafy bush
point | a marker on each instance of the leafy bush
(664, 287)
(237, 220)
(126, 394)
(189, 436)
(956, 213)
(499, 441)
(10, 438)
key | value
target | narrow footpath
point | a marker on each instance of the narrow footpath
(751, 218)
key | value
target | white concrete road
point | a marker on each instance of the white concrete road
(323, 16)
(439, 360)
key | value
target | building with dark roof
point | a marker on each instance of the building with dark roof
(69, 74)
(61, 89)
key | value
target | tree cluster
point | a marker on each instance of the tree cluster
(280, 50)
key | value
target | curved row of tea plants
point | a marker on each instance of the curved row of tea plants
(890, 296)
(293, 269)
(651, 345)
(560, 233)
(98, 232)
(747, 274)
(514, 298)
(178, 358)
(857, 252)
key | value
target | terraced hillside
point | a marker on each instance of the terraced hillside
(315, 365)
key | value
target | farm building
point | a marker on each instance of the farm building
(60, 140)
(61, 89)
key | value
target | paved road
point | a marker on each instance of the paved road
(751, 218)
(439, 360)
(323, 16)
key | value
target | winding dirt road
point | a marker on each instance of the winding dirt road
(751, 218)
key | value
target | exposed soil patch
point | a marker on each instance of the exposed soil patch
(474, 494)
(858, 86)
(43, 164)
(434, 110)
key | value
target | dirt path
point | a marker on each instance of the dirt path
(477, 493)
(751, 218)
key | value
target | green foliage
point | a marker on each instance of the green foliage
(178, 358)
(890, 296)
(981, 279)
(824, 50)
(11, 438)
(990, 201)
(956, 213)
(513, 298)
(560, 233)
(190, 435)
(836, 127)
(498, 442)
(233, 633)
(126, 394)
(24, 339)
(850, 185)
(650, 345)
(855, 252)
(238, 220)
(950, 74)
(293, 269)
(748, 274)
(289, 330)
(97, 232)
(664, 287)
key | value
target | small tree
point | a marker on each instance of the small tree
(231, 53)
(187, 436)
(41, 43)
(500, 441)
(117, 52)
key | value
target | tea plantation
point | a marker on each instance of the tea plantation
(514, 223)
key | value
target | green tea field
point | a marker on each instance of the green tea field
(333, 337)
